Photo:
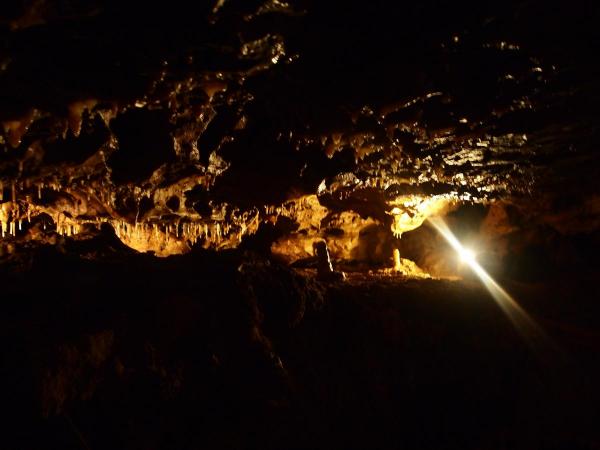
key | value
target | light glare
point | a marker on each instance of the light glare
(466, 255)
(526, 326)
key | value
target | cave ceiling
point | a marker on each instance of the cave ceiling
(184, 127)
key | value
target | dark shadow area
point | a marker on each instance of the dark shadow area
(230, 350)
(144, 145)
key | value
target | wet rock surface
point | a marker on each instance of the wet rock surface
(168, 171)
(230, 110)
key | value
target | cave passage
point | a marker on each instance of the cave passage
(298, 224)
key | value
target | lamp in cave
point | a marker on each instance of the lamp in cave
(466, 255)
(524, 324)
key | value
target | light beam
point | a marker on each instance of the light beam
(524, 324)
(467, 255)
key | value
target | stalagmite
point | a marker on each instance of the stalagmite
(397, 262)
(324, 267)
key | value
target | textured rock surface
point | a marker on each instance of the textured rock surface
(231, 138)
(183, 127)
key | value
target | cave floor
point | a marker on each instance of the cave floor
(156, 356)
(434, 363)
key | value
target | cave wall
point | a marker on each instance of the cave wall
(189, 127)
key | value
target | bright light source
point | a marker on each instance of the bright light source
(528, 328)
(467, 255)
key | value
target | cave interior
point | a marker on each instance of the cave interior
(269, 224)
